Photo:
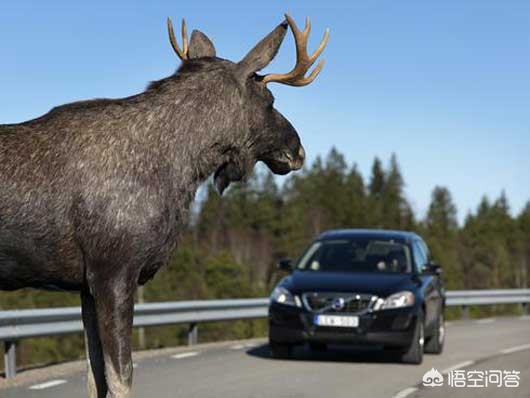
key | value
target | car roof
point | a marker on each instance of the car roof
(404, 236)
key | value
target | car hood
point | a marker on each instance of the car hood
(381, 284)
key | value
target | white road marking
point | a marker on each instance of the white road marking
(457, 366)
(524, 317)
(185, 355)
(486, 320)
(405, 393)
(516, 349)
(241, 346)
(48, 384)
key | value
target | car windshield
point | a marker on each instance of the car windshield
(356, 255)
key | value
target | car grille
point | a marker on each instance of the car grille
(326, 302)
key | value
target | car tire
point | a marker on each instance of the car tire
(280, 350)
(414, 353)
(317, 347)
(435, 343)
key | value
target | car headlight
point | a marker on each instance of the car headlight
(396, 300)
(281, 295)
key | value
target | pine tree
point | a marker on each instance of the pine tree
(376, 188)
(442, 216)
(394, 203)
(355, 212)
(523, 226)
(441, 234)
(377, 180)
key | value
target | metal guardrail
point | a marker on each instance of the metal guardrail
(466, 298)
(17, 325)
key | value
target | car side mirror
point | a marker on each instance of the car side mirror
(285, 265)
(433, 268)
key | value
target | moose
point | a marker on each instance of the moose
(94, 194)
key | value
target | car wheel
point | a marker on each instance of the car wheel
(280, 350)
(317, 347)
(435, 343)
(414, 353)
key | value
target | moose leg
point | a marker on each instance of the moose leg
(115, 310)
(96, 383)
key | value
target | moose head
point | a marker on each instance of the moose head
(268, 136)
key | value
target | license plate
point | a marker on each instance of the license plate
(337, 321)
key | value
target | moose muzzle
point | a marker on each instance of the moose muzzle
(297, 162)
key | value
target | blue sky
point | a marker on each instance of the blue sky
(445, 85)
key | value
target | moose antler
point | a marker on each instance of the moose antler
(182, 54)
(296, 77)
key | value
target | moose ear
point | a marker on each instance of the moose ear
(263, 53)
(200, 46)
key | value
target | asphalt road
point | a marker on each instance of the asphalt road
(245, 370)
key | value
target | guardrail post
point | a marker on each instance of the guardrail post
(141, 331)
(525, 308)
(10, 361)
(193, 333)
(465, 312)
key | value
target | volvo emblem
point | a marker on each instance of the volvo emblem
(338, 304)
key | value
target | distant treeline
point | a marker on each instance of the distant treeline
(231, 245)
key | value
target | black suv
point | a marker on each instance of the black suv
(360, 287)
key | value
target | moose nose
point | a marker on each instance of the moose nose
(299, 161)
(301, 154)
